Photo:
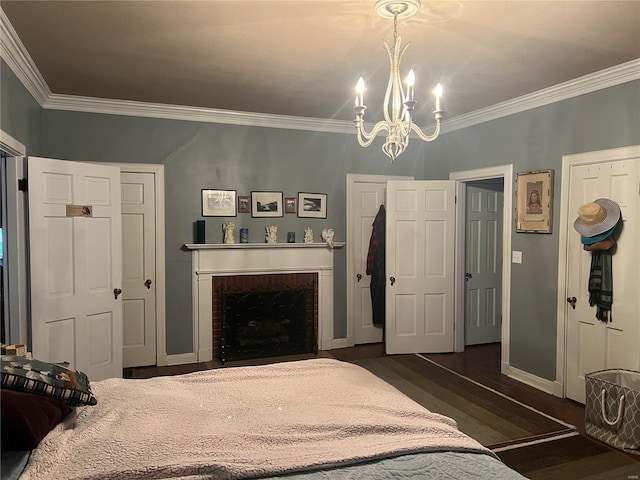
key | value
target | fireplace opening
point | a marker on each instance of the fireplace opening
(265, 315)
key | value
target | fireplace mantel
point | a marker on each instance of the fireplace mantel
(209, 260)
(251, 246)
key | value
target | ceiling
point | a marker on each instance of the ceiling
(303, 58)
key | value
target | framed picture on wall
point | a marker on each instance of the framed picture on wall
(290, 205)
(244, 204)
(534, 201)
(218, 203)
(267, 204)
(312, 205)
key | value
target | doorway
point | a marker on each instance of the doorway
(14, 286)
(483, 261)
(503, 173)
(365, 194)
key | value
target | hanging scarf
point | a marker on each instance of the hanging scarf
(601, 284)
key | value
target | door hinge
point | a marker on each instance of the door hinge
(22, 184)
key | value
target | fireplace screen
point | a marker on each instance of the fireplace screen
(268, 323)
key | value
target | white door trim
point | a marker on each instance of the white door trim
(158, 170)
(569, 161)
(14, 211)
(499, 171)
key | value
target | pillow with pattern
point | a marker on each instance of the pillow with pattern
(43, 378)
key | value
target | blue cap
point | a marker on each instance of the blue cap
(597, 238)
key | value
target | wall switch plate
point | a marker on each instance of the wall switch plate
(516, 257)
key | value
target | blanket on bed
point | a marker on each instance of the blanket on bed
(242, 422)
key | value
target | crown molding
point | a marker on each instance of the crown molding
(193, 114)
(616, 75)
(14, 53)
(18, 59)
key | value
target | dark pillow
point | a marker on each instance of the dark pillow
(48, 379)
(28, 418)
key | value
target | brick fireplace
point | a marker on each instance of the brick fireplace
(210, 262)
(256, 316)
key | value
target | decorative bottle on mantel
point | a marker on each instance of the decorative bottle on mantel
(271, 234)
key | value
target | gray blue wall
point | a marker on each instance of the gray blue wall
(536, 140)
(20, 114)
(202, 155)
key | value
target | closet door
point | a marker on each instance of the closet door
(75, 256)
(420, 258)
(591, 344)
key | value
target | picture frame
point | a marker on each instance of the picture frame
(244, 204)
(218, 203)
(267, 204)
(290, 205)
(312, 205)
(534, 201)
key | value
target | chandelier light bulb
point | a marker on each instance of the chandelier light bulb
(411, 80)
(438, 93)
(360, 92)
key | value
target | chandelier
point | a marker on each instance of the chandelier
(398, 108)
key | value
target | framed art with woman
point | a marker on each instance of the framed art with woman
(534, 201)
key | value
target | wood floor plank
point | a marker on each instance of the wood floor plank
(584, 458)
(482, 414)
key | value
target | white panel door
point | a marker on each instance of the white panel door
(76, 265)
(367, 198)
(420, 266)
(591, 344)
(138, 269)
(483, 257)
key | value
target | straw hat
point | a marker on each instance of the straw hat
(597, 217)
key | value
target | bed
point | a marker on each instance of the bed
(303, 420)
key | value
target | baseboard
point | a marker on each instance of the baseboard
(558, 389)
(534, 381)
(161, 360)
(204, 355)
(182, 358)
(340, 343)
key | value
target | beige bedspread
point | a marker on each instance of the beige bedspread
(241, 423)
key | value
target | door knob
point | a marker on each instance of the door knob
(116, 292)
(147, 283)
(467, 276)
(359, 277)
(393, 280)
(572, 301)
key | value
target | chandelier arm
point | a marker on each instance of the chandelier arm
(387, 94)
(365, 139)
(423, 136)
(394, 108)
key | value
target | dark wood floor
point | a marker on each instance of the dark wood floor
(481, 363)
